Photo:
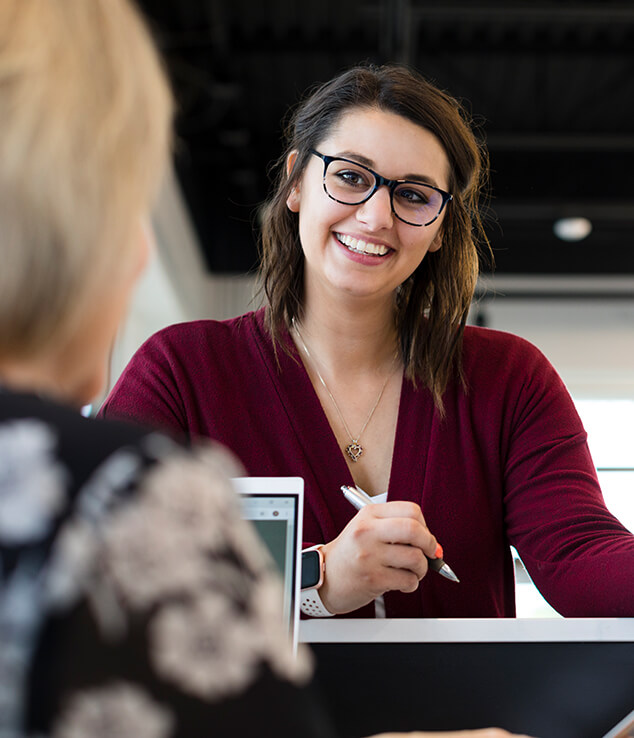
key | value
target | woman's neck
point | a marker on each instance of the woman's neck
(350, 335)
(42, 377)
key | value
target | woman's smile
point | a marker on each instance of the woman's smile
(364, 249)
(360, 246)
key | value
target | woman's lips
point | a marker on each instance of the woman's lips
(358, 246)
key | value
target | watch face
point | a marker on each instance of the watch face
(311, 569)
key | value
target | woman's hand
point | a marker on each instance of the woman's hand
(383, 548)
(484, 733)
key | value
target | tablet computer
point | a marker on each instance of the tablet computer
(275, 506)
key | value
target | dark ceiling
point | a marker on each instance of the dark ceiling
(551, 83)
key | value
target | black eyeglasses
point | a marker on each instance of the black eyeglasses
(351, 183)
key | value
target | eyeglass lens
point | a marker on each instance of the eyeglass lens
(412, 202)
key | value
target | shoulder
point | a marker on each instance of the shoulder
(487, 341)
(199, 354)
(174, 379)
(486, 350)
(61, 468)
(508, 372)
(48, 435)
(68, 424)
(199, 334)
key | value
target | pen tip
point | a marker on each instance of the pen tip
(447, 572)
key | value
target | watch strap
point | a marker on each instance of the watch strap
(311, 604)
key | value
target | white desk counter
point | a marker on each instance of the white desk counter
(486, 630)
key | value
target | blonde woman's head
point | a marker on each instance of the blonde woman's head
(85, 115)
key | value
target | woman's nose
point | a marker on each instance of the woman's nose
(376, 212)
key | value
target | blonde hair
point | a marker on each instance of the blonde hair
(85, 119)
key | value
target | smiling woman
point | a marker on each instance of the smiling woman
(418, 121)
(360, 371)
(380, 249)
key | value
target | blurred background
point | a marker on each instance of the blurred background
(550, 84)
(551, 88)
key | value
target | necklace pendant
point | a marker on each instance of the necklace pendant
(354, 450)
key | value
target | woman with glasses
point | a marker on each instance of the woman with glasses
(360, 372)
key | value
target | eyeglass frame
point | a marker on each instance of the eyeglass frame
(379, 181)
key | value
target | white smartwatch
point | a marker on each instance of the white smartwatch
(313, 571)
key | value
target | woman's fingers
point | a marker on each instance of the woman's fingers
(398, 522)
(383, 548)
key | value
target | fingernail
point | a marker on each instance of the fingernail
(438, 551)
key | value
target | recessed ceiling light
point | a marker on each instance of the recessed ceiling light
(572, 229)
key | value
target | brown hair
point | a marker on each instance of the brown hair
(85, 121)
(432, 305)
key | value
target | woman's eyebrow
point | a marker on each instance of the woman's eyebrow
(424, 179)
(358, 157)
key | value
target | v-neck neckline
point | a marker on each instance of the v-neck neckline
(411, 436)
(320, 461)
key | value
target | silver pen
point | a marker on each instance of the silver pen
(358, 499)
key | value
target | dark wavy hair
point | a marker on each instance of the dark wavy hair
(433, 303)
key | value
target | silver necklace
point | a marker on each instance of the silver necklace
(354, 449)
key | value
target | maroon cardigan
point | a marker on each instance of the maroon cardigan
(509, 464)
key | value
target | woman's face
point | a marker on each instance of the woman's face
(365, 250)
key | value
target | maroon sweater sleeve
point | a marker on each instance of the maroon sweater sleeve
(579, 556)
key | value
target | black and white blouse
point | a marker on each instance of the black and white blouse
(134, 601)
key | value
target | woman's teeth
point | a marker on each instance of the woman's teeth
(362, 247)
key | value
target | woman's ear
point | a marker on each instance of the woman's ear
(292, 201)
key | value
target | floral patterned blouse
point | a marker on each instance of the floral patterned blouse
(134, 601)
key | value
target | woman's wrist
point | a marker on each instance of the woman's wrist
(311, 601)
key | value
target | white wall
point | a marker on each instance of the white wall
(590, 341)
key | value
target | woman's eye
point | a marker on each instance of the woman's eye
(412, 196)
(352, 178)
